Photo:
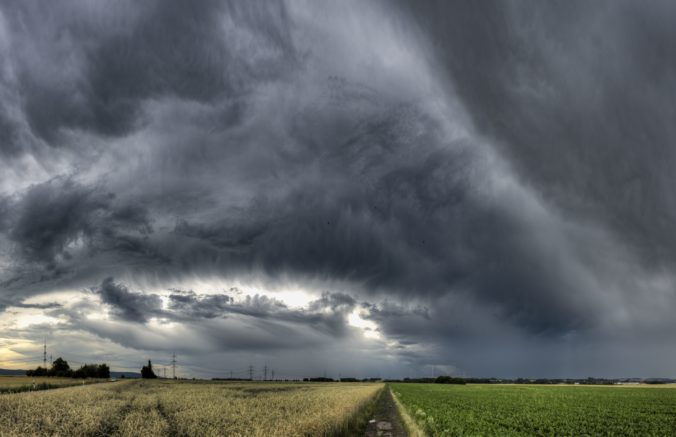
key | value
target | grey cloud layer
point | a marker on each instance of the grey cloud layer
(465, 174)
(326, 314)
(116, 59)
(578, 97)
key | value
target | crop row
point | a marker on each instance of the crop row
(511, 410)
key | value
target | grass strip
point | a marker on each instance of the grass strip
(33, 387)
(409, 423)
(43, 386)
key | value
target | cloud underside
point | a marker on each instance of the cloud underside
(474, 181)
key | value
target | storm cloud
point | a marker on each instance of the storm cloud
(393, 185)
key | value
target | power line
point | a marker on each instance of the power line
(265, 372)
(44, 355)
(251, 369)
(173, 365)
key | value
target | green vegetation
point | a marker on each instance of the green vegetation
(520, 410)
(18, 384)
(61, 369)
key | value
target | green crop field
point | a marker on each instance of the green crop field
(520, 410)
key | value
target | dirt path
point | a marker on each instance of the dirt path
(386, 421)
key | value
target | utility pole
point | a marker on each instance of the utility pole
(265, 372)
(44, 355)
(250, 372)
(173, 365)
(273, 374)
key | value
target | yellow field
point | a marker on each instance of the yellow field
(165, 407)
(17, 382)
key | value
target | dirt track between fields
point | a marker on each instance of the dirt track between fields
(386, 421)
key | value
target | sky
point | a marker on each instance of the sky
(364, 189)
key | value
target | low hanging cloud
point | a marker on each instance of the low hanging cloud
(464, 182)
(127, 305)
(328, 314)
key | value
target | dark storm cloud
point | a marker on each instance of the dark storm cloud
(578, 96)
(473, 171)
(403, 226)
(127, 305)
(8, 137)
(42, 306)
(193, 305)
(326, 314)
(50, 215)
(59, 219)
(334, 301)
(115, 60)
(379, 209)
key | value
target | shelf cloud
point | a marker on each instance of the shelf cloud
(377, 188)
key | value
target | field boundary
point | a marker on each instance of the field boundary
(409, 423)
(357, 422)
(45, 386)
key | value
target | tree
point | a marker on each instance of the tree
(82, 372)
(147, 371)
(449, 380)
(103, 371)
(93, 371)
(40, 371)
(60, 367)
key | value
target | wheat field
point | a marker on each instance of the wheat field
(186, 408)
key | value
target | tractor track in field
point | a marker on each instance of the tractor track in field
(172, 430)
(112, 424)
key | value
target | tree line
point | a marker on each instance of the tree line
(61, 368)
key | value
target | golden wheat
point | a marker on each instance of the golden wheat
(186, 408)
